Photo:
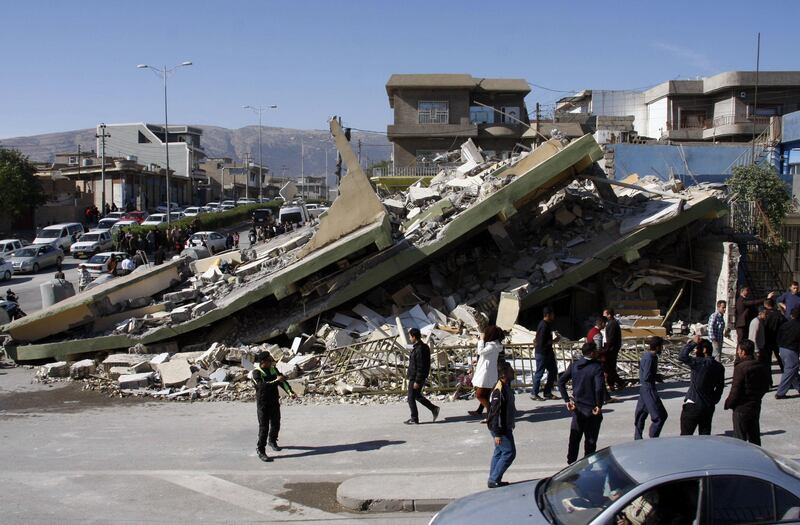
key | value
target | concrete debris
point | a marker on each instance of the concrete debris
(82, 369)
(132, 381)
(57, 369)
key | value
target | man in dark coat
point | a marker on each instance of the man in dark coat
(705, 388)
(789, 343)
(750, 383)
(649, 403)
(588, 394)
(611, 354)
(266, 379)
(419, 366)
(745, 310)
(545, 356)
(772, 324)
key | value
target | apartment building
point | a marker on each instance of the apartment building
(436, 113)
(719, 108)
(228, 179)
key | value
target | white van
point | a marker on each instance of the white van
(60, 235)
(294, 214)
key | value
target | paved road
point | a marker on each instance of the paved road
(75, 457)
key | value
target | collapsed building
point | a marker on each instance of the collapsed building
(490, 241)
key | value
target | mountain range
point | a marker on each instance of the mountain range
(281, 147)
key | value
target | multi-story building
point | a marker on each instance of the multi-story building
(720, 108)
(145, 143)
(434, 114)
(233, 180)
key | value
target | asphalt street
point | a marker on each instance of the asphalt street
(70, 456)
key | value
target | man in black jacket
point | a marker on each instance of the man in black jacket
(613, 346)
(266, 379)
(772, 323)
(500, 420)
(588, 394)
(750, 383)
(705, 389)
(545, 356)
(419, 366)
(789, 344)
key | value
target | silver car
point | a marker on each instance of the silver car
(35, 257)
(702, 479)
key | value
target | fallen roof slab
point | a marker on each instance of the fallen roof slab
(545, 170)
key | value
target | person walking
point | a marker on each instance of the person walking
(744, 310)
(419, 366)
(545, 356)
(716, 328)
(502, 412)
(266, 379)
(84, 278)
(485, 376)
(750, 383)
(236, 240)
(649, 403)
(586, 404)
(789, 344)
(756, 331)
(772, 323)
(613, 344)
(705, 388)
(789, 299)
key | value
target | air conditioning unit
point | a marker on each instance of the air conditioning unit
(87, 162)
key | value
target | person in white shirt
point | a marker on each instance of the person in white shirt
(485, 376)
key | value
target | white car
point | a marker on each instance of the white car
(6, 269)
(193, 211)
(122, 224)
(91, 243)
(215, 242)
(98, 263)
(161, 218)
(212, 206)
(9, 245)
(227, 205)
(106, 224)
(173, 207)
(115, 215)
(245, 201)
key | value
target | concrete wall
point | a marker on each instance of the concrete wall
(719, 261)
(124, 141)
(621, 104)
(790, 127)
(405, 104)
(657, 115)
(706, 163)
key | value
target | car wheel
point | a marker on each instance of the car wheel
(35, 267)
(7, 275)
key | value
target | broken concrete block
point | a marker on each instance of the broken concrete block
(141, 367)
(132, 381)
(298, 387)
(470, 317)
(551, 270)
(247, 364)
(564, 217)
(501, 237)
(203, 308)
(338, 339)
(181, 295)
(82, 369)
(405, 297)
(175, 372)
(219, 375)
(395, 206)
(507, 310)
(159, 359)
(418, 195)
(126, 360)
(180, 314)
(296, 345)
(304, 362)
(213, 356)
(57, 369)
(212, 275)
(116, 371)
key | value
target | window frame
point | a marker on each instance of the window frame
(434, 114)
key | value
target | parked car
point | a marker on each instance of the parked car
(294, 214)
(208, 209)
(263, 217)
(315, 210)
(138, 216)
(98, 263)
(60, 235)
(9, 245)
(193, 211)
(161, 218)
(213, 206)
(227, 205)
(162, 208)
(6, 269)
(122, 224)
(677, 479)
(245, 201)
(105, 224)
(35, 257)
(91, 243)
(115, 215)
(214, 241)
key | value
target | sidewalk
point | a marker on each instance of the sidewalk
(419, 492)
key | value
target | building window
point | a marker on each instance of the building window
(510, 115)
(481, 115)
(692, 119)
(767, 110)
(434, 112)
(427, 156)
(72, 161)
(143, 139)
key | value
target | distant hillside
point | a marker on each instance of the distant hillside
(281, 147)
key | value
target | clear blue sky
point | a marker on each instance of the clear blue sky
(70, 65)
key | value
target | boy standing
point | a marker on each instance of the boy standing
(649, 401)
(588, 389)
(500, 421)
(266, 378)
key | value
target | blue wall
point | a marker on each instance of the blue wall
(709, 163)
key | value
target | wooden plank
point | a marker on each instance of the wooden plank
(643, 313)
(644, 331)
(649, 321)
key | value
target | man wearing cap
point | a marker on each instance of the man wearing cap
(419, 366)
(266, 378)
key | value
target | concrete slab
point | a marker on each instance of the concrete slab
(175, 372)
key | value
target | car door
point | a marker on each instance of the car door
(744, 499)
(677, 501)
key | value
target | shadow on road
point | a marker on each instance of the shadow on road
(363, 446)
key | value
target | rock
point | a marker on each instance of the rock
(82, 369)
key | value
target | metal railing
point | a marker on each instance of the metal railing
(411, 171)
(434, 116)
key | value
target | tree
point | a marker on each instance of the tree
(20, 190)
(762, 185)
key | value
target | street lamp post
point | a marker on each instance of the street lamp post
(260, 110)
(164, 73)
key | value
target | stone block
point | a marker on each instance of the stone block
(131, 381)
(213, 356)
(203, 308)
(180, 314)
(117, 371)
(175, 372)
(82, 369)
(219, 375)
(418, 195)
(181, 296)
(551, 270)
(142, 367)
(126, 360)
(57, 369)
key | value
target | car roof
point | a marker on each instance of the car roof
(111, 253)
(204, 233)
(10, 240)
(649, 459)
(99, 230)
(62, 225)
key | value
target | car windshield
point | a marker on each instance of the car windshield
(156, 218)
(26, 252)
(49, 233)
(580, 492)
(98, 259)
(89, 237)
(291, 217)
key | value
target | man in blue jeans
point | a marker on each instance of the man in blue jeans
(545, 356)
(500, 421)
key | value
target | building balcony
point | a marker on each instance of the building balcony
(416, 130)
(732, 125)
(501, 130)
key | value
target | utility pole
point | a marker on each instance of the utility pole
(79, 165)
(359, 153)
(102, 136)
(755, 102)
(302, 167)
(537, 138)
(247, 175)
